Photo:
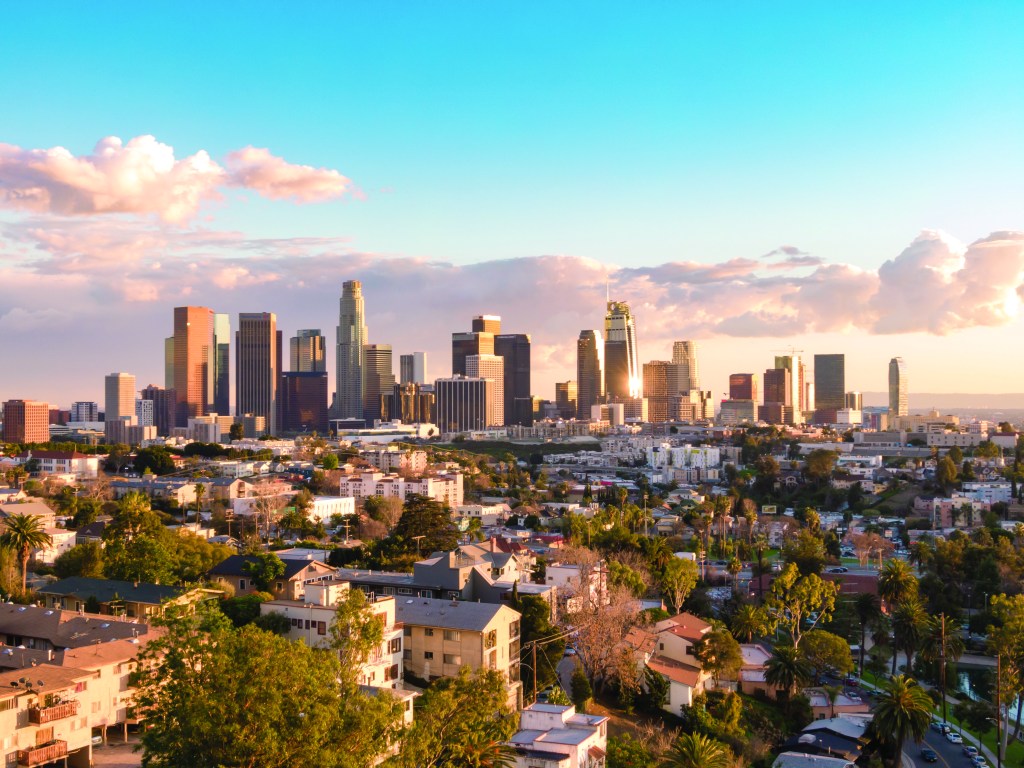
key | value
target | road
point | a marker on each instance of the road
(950, 755)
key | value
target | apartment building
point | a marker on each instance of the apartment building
(79, 465)
(555, 736)
(391, 459)
(445, 487)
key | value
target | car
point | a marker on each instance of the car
(945, 728)
(852, 682)
(854, 697)
(929, 755)
(839, 569)
(970, 750)
(936, 726)
(954, 738)
(569, 651)
(979, 760)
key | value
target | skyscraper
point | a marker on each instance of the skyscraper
(479, 341)
(518, 402)
(307, 351)
(413, 368)
(303, 398)
(491, 367)
(622, 375)
(85, 411)
(589, 372)
(462, 403)
(898, 393)
(657, 391)
(163, 407)
(378, 379)
(566, 397)
(169, 362)
(778, 396)
(797, 384)
(119, 400)
(352, 335)
(194, 365)
(829, 386)
(684, 355)
(410, 403)
(222, 364)
(258, 355)
(743, 386)
(487, 324)
(26, 421)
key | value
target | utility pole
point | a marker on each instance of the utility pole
(942, 662)
(999, 713)
(534, 652)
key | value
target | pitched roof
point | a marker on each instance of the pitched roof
(34, 454)
(107, 590)
(233, 566)
(66, 629)
(684, 625)
(447, 614)
(641, 640)
(26, 508)
(674, 670)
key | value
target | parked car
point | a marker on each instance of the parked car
(954, 738)
(936, 726)
(852, 682)
(838, 569)
(570, 651)
(970, 750)
(929, 755)
(979, 761)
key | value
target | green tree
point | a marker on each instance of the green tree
(264, 569)
(987, 450)
(236, 431)
(787, 670)
(903, 711)
(244, 609)
(749, 622)
(823, 650)
(425, 526)
(330, 461)
(155, 459)
(24, 533)
(719, 653)
(869, 612)
(621, 575)
(677, 581)
(694, 750)
(626, 752)
(806, 551)
(910, 625)
(946, 473)
(84, 559)
(819, 465)
(461, 722)
(956, 455)
(943, 646)
(896, 582)
(535, 625)
(800, 603)
(582, 693)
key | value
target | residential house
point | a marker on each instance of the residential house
(61, 540)
(579, 585)
(554, 736)
(118, 598)
(823, 707)
(78, 466)
(291, 585)
(47, 517)
(668, 650)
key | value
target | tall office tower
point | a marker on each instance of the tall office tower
(194, 366)
(169, 362)
(797, 384)
(222, 364)
(145, 416)
(491, 367)
(352, 335)
(743, 386)
(487, 324)
(622, 374)
(307, 351)
(518, 401)
(589, 372)
(657, 390)
(413, 368)
(410, 403)
(119, 403)
(463, 403)
(829, 385)
(85, 411)
(778, 396)
(303, 398)
(809, 396)
(258, 356)
(26, 421)
(378, 379)
(854, 401)
(684, 354)
(566, 397)
(163, 407)
(898, 398)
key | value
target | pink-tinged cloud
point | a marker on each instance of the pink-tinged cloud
(143, 176)
(257, 169)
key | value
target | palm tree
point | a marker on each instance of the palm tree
(869, 610)
(23, 533)
(694, 750)
(903, 710)
(748, 622)
(787, 670)
(734, 568)
(200, 492)
(910, 624)
(896, 582)
(474, 529)
(943, 645)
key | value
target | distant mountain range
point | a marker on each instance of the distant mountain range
(953, 401)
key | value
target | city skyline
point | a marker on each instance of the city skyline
(866, 204)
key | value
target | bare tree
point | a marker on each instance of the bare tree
(267, 503)
(600, 633)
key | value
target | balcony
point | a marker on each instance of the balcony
(47, 753)
(43, 715)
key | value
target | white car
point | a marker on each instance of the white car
(954, 738)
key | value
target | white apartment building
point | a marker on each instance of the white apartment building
(989, 492)
(394, 460)
(445, 487)
(324, 507)
(554, 736)
(81, 466)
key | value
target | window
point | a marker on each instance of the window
(452, 658)
(404, 591)
(407, 631)
(81, 686)
(513, 629)
(453, 595)
(407, 654)
(321, 627)
(241, 584)
(280, 586)
(429, 631)
(428, 655)
(396, 645)
(452, 634)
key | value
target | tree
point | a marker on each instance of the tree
(799, 603)
(943, 645)
(910, 624)
(946, 473)
(896, 582)
(621, 575)
(694, 750)
(806, 551)
(84, 559)
(461, 722)
(956, 455)
(155, 459)
(627, 752)
(330, 461)
(749, 622)
(24, 533)
(424, 517)
(787, 670)
(824, 650)
(819, 465)
(582, 693)
(719, 653)
(236, 431)
(535, 625)
(677, 581)
(869, 611)
(903, 711)
(264, 569)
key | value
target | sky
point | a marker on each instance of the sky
(756, 176)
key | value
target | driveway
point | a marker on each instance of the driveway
(117, 754)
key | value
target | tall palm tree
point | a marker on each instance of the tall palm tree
(896, 582)
(23, 533)
(910, 624)
(787, 670)
(694, 750)
(748, 622)
(943, 645)
(903, 710)
(869, 610)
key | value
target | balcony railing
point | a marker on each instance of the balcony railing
(42, 755)
(52, 713)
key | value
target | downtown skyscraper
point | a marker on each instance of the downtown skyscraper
(684, 356)
(307, 351)
(622, 375)
(192, 353)
(589, 372)
(352, 337)
(258, 354)
(898, 393)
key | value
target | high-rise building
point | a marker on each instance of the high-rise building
(487, 324)
(352, 336)
(222, 364)
(144, 413)
(743, 386)
(657, 392)
(463, 403)
(307, 351)
(410, 403)
(492, 368)
(778, 386)
(413, 368)
(26, 421)
(378, 379)
(119, 401)
(589, 372)
(303, 398)
(164, 403)
(829, 385)
(797, 385)
(622, 375)
(479, 341)
(566, 397)
(684, 355)
(854, 401)
(169, 362)
(518, 401)
(258, 357)
(898, 392)
(194, 363)
(85, 411)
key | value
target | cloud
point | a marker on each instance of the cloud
(143, 176)
(21, 319)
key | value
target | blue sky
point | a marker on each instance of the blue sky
(632, 134)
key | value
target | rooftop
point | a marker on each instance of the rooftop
(447, 614)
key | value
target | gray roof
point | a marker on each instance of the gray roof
(64, 629)
(107, 590)
(447, 614)
(25, 508)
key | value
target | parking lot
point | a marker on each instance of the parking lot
(117, 754)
